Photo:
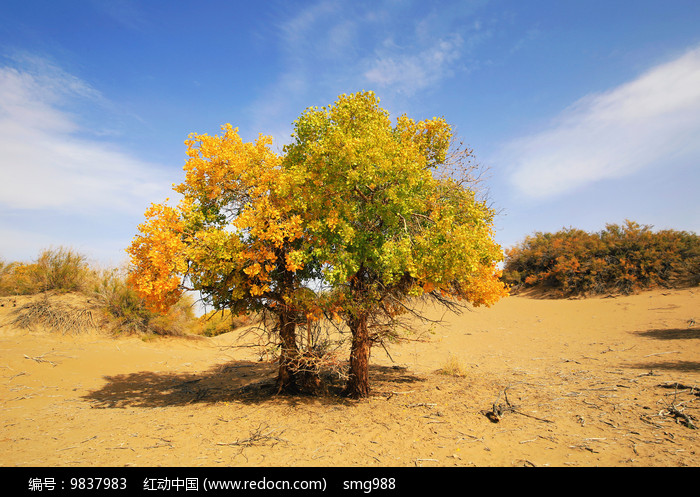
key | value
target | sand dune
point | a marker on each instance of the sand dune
(591, 382)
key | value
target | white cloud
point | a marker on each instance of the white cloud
(411, 72)
(652, 120)
(46, 163)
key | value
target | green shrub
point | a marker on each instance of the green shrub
(120, 303)
(623, 259)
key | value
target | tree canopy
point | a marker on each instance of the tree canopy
(357, 202)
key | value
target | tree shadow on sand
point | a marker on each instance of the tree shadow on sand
(239, 381)
(671, 334)
(669, 365)
(681, 366)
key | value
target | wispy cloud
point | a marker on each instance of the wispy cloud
(49, 161)
(319, 47)
(408, 72)
(420, 55)
(652, 120)
(332, 47)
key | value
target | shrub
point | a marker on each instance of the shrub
(61, 270)
(216, 323)
(7, 283)
(127, 312)
(624, 259)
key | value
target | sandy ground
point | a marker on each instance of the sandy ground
(592, 382)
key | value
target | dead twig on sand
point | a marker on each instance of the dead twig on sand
(663, 353)
(499, 409)
(533, 417)
(168, 444)
(259, 436)
(473, 438)
(681, 388)
(675, 409)
(650, 373)
(77, 446)
(392, 393)
(41, 359)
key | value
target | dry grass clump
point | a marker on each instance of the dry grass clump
(453, 367)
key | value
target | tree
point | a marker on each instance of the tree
(385, 225)
(233, 237)
(367, 207)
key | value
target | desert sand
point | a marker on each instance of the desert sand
(587, 382)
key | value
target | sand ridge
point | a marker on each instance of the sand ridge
(587, 382)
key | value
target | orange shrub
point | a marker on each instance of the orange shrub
(624, 259)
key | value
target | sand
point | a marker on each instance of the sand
(590, 382)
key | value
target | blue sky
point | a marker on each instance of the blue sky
(584, 112)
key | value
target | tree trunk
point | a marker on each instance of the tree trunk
(358, 381)
(286, 377)
(294, 377)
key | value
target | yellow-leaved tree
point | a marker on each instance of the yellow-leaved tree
(233, 237)
(372, 209)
